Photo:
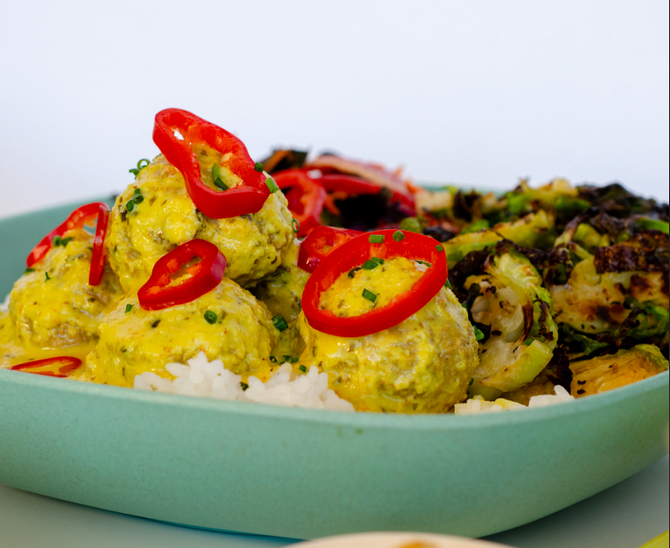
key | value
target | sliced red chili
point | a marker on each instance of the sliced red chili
(374, 174)
(81, 216)
(240, 200)
(320, 242)
(98, 254)
(305, 198)
(353, 254)
(184, 274)
(354, 186)
(58, 366)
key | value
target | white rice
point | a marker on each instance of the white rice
(480, 405)
(203, 378)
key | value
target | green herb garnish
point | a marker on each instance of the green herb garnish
(302, 368)
(129, 307)
(273, 359)
(439, 247)
(216, 178)
(28, 271)
(398, 236)
(258, 167)
(272, 185)
(372, 263)
(479, 334)
(210, 317)
(279, 322)
(376, 239)
(369, 295)
(140, 166)
(130, 205)
(296, 225)
(447, 284)
(244, 386)
(424, 263)
(47, 278)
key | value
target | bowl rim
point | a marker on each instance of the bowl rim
(444, 421)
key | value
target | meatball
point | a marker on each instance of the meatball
(282, 290)
(227, 323)
(422, 365)
(155, 214)
(53, 306)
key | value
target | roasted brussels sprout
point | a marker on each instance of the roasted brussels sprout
(533, 230)
(516, 309)
(612, 371)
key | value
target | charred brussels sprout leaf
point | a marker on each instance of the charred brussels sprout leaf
(613, 371)
(517, 310)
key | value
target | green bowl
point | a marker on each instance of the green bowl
(308, 473)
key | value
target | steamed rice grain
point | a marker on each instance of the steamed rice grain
(202, 378)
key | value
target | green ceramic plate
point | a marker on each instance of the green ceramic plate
(307, 473)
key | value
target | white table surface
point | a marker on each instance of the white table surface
(624, 516)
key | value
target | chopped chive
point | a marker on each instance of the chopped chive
(479, 334)
(398, 236)
(280, 322)
(130, 205)
(370, 265)
(216, 178)
(439, 247)
(140, 166)
(258, 167)
(300, 304)
(424, 263)
(294, 360)
(56, 241)
(210, 317)
(47, 277)
(28, 270)
(218, 183)
(471, 382)
(447, 284)
(272, 185)
(302, 368)
(138, 199)
(138, 191)
(369, 295)
(353, 271)
(290, 359)
(296, 225)
(273, 359)
(129, 307)
(376, 238)
(244, 386)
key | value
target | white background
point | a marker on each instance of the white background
(477, 92)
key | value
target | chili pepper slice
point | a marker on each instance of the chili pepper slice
(58, 366)
(353, 254)
(320, 242)
(375, 174)
(240, 200)
(305, 198)
(352, 185)
(81, 216)
(184, 274)
(98, 255)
